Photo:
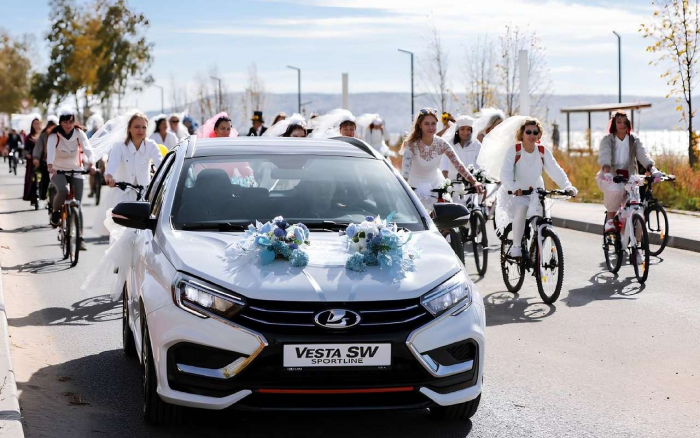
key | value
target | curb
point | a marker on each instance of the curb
(587, 227)
(10, 415)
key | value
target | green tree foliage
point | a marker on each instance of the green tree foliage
(675, 30)
(15, 69)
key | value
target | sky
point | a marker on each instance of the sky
(326, 38)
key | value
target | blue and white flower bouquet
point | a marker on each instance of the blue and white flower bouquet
(377, 242)
(273, 240)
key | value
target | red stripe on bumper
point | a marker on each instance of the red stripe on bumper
(336, 391)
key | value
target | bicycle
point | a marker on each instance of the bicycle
(70, 221)
(655, 215)
(629, 224)
(488, 203)
(541, 252)
(476, 232)
(135, 187)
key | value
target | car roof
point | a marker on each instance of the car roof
(206, 147)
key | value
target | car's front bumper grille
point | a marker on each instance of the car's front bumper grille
(290, 317)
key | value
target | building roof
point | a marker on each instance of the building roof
(606, 107)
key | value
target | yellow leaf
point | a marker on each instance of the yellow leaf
(679, 108)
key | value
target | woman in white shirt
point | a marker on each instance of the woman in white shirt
(129, 161)
(67, 148)
(422, 153)
(467, 148)
(520, 161)
(161, 135)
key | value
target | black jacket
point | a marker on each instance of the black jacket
(252, 132)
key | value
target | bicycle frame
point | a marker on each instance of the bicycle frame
(628, 207)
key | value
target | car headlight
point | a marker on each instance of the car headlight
(196, 297)
(449, 294)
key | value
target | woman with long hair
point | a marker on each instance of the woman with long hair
(220, 122)
(467, 147)
(488, 120)
(39, 155)
(29, 143)
(160, 133)
(293, 126)
(422, 153)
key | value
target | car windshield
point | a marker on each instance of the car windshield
(224, 192)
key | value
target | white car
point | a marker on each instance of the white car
(214, 333)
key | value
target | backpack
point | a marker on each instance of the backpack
(518, 153)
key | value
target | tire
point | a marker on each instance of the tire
(554, 267)
(462, 411)
(513, 271)
(65, 236)
(128, 343)
(641, 271)
(657, 222)
(480, 242)
(612, 248)
(74, 235)
(155, 410)
(455, 241)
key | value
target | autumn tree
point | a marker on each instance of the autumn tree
(15, 67)
(511, 43)
(255, 94)
(434, 68)
(675, 30)
(479, 68)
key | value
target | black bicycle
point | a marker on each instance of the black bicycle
(541, 252)
(655, 215)
(475, 234)
(71, 220)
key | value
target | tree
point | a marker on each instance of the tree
(434, 69)
(15, 67)
(179, 96)
(479, 71)
(254, 95)
(511, 43)
(675, 31)
(123, 48)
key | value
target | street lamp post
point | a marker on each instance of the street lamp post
(220, 97)
(162, 98)
(298, 85)
(413, 97)
(619, 67)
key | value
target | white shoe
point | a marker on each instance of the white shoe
(515, 251)
(610, 226)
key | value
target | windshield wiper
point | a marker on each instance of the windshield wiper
(219, 226)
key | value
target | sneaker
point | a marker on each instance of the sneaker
(610, 226)
(81, 245)
(55, 218)
(515, 252)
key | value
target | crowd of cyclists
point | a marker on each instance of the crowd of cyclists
(492, 165)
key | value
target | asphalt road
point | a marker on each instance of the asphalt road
(610, 358)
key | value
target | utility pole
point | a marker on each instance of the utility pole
(413, 97)
(221, 107)
(619, 67)
(298, 85)
(162, 98)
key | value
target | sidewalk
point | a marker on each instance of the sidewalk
(10, 416)
(684, 229)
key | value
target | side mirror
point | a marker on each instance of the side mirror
(133, 215)
(449, 215)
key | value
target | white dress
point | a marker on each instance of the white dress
(126, 164)
(169, 142)
(375, 138)
(467, 154)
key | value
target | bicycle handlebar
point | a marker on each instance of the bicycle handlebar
(543, 192)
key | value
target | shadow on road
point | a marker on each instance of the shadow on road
(84, 312)
(102, 240)
(17, 211)
(26, 229)
(41, 266)
(111, 385)
(508, 308)
(605, 286)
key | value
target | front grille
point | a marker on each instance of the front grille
(289, 317)
(401, 400)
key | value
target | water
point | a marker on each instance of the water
(657, 142)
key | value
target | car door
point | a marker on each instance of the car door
(145, 259)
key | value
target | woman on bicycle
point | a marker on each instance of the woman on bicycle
(422, 153)
(466, 147)
(29, 178)
(67, 148)
(39, 155)
(129, 161)
(487, 122)
(618, 154)
(520, 160)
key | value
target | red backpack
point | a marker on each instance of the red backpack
(518, 153)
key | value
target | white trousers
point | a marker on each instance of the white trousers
(519, 218)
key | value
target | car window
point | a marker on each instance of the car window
(301, 188)
(158, 177)
(161, 192)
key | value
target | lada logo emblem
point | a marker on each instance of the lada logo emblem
(337, 319)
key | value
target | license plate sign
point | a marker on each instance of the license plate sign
(337, 355)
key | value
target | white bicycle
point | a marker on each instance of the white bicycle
(630, 232)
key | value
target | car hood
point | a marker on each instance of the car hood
(203, 254)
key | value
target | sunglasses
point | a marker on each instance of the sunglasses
(528, 132)
(174, 121)
(428, 111)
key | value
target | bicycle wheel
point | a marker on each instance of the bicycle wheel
(639, 255)
(612, 248)
(512, 269)
(657, 223)
(550, 273)
(455, 240)
(64, 235)
(480, 242)
(74, 235)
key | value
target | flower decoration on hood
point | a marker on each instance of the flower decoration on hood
(377, 242)
(273, 240)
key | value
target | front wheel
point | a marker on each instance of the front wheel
(513, 270)
(549, 269)
(657, 223)
(461, 411)
(455, 240)
(639, 254)
(480, 242)
(73, 235)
